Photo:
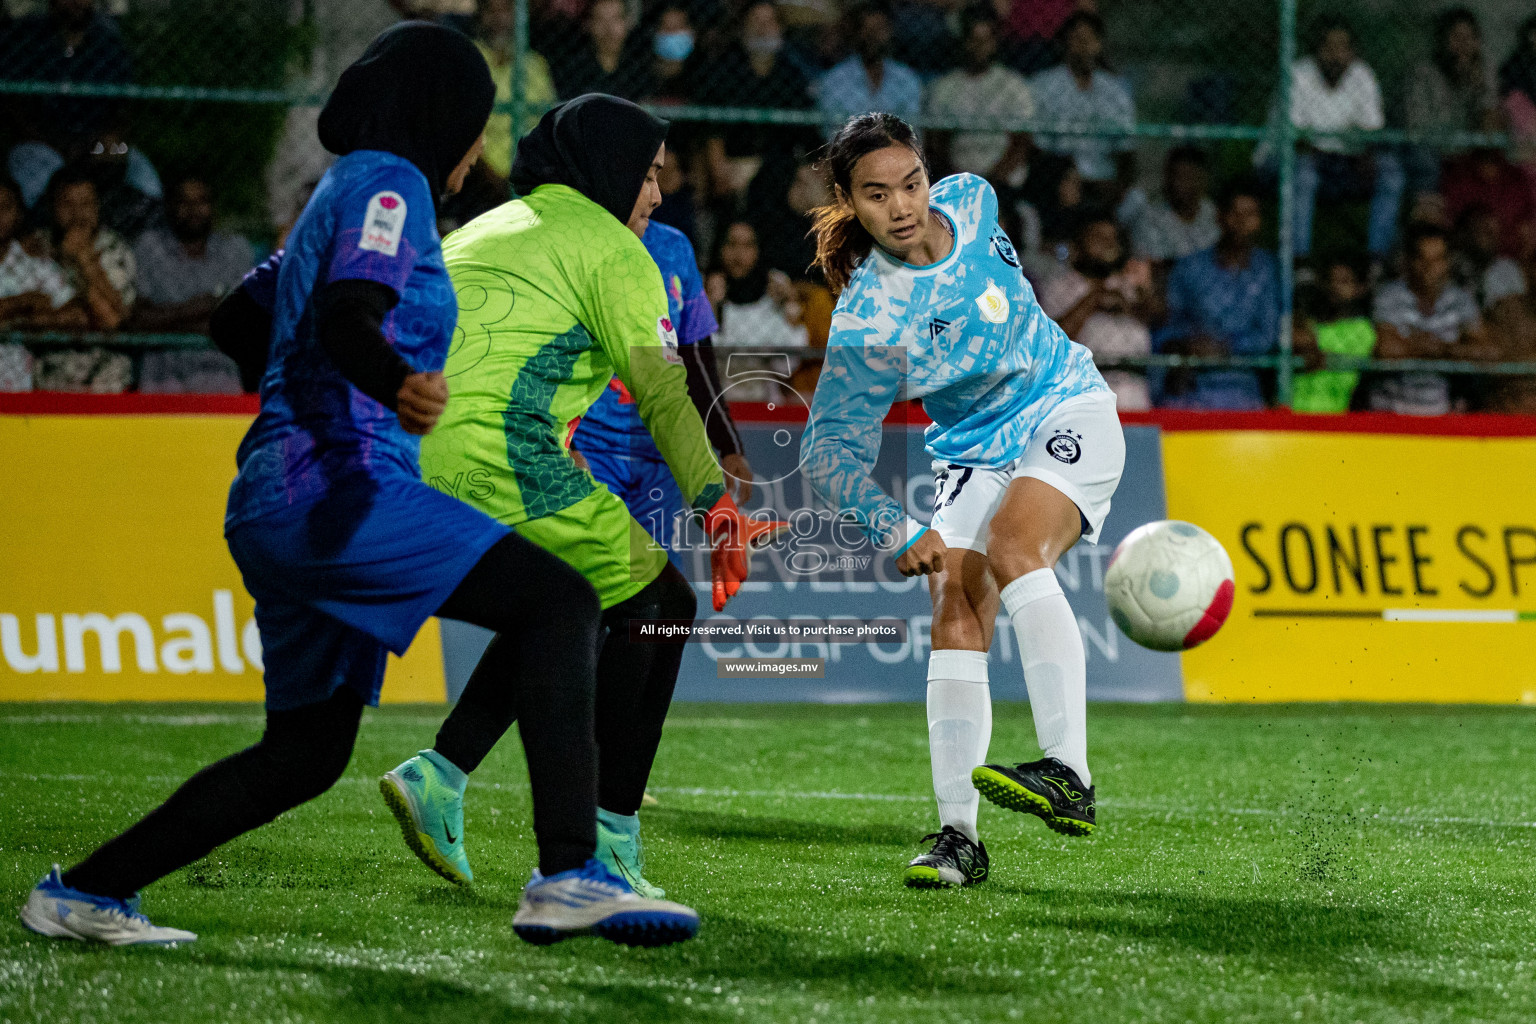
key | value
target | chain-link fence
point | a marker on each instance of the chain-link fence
(1210, 250)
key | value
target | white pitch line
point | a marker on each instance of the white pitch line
(1450, 615)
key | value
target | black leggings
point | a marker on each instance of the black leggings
(634, 691)
(548, 617)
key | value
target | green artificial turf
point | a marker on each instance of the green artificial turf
(1308, 863)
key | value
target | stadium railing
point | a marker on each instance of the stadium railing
(211, 83)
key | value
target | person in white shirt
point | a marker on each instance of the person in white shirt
(33, 293)
(1183, 220)
(982, 91)
(1081, 93)
(1333, 90)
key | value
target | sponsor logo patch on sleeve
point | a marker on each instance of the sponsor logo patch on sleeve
(668, 336)
(383, 224)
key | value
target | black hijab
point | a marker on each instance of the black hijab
(420, 91)
(597, 144)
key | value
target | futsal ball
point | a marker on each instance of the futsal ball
(1169, 585)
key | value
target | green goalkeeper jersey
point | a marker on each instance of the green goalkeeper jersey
(555, 298)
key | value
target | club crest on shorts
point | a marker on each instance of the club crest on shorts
(993, 303)
(383, 224)
(1065, 446)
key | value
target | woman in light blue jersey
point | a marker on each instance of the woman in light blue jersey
(1027, 448)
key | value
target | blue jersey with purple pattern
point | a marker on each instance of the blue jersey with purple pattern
(965, 335)
(613, 423)
(372, 218)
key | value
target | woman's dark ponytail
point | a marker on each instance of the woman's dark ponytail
(841, 241)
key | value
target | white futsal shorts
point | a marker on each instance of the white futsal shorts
(1078, 449)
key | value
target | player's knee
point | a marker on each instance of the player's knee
(955, 622)
(304, 752)
(1008, 564)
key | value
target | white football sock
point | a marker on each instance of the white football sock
(959, 729)
(1055, 670)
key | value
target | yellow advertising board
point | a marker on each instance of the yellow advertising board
(115, 583)
(1369, 567)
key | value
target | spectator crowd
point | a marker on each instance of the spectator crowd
(94, 237)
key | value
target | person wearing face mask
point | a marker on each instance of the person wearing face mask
(870, 80)
(559, 296)
(672, 45)
(1101, 301)
(754, 72)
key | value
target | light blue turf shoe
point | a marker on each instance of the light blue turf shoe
(620, 850)
(426, 796)
(594, 901)
(56, 910)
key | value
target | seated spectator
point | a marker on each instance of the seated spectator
(1454, 91)
(1031, 29)
(755, 305)
(672, 43)
(493, 38)
(752, 72)
(982, 90)
(1101, 301)
(33, 294)
(921, 37)
(870, 79)
(127, 185)
(1334, 91)
(610, 60)
(552, 24)
(1223, 301)
(786, 245)
(1425, 316)
(1051, 206)
(186, 268)
(1183, 221)
(1474, 251)
(126, 182)
(1504, 279)
(1513, 321)
(1080, 93)
(1517, 85)
(1485, 178)
(70, 42)
(785, 219)
(1339, 325)
(99, 266)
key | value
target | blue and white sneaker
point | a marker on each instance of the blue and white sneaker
(56, 910)
(594, 901)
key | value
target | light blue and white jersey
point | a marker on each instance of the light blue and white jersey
(965, 335)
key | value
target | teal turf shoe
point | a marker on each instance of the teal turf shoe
(620, 851)
(428, 802)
